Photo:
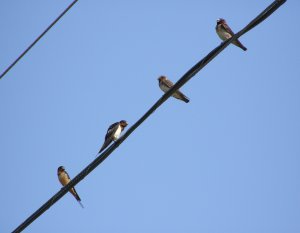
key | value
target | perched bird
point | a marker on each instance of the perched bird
(165, 85)
(113, 133)
(225, 32)
(64, 179)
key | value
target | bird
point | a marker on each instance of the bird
(64, 179)
(165, 85)
(113, 133)
(225, 32)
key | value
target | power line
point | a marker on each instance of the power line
(185, 78)
(37, 39)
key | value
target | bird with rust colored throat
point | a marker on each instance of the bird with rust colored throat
(225, 32)
(165, 85)
(113, 133)
(64, 179)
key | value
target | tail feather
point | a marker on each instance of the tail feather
(105, 144)
(240, 45)
(81, 204)
(179, 95)
(185, 99)
(74, 193)
(101, 149)
(78, 199)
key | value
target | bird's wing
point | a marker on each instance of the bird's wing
(111, 130)
(105, 144)
(227, 28)
(67, 175)
(108, 137)
(168, 83)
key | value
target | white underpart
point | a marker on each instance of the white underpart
(117, 133)
(223, 34)
(164, 88)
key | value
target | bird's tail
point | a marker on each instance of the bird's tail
(239, 44)
(81, 204)
(101, 149)
(74, 193)
(185, 99)
(105, 144)
(179, 95)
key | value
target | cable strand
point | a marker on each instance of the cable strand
(37, 39)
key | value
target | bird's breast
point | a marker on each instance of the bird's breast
(63, 178)
(164, 88)
(117, 133)
(222, 33)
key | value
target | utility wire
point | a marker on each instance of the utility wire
(185, 78)
(38, 38)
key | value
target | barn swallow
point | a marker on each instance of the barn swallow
(165, 85)
(64, 179)
(113, 133)
(225, 32)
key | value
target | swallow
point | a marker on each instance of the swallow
(64, 179)
(165, 85)
(225, 32)
(113, 133)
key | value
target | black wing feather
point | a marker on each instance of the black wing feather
(108, 137)
(111, 130)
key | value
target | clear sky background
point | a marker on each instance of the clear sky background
(227, 162)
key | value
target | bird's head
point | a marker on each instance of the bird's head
(123, 123)
(162, 78)
(60, 169)
(220, 21)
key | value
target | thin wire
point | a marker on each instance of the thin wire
(37, 39)
(186, 77)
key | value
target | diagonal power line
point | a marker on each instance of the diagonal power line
(185, 78)
(37, 39)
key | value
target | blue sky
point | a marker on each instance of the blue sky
(227, 162)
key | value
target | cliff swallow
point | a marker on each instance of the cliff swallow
(165, 85)
(225, 32)
(113, 133)
(64, 179)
